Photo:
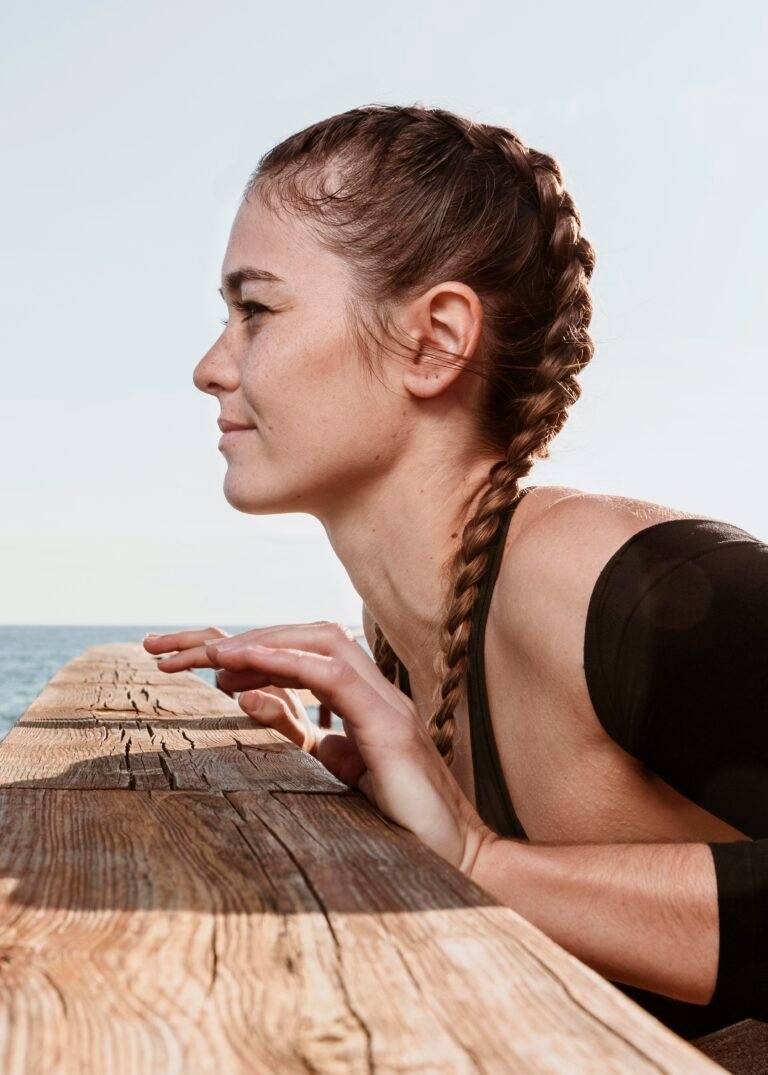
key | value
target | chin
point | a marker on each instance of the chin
(250, 501)
(238, 497)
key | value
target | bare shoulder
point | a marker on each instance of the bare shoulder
(559, 540)
(567, 529)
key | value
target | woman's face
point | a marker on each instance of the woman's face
(314, 424)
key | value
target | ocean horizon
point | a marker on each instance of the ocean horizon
(30, 654)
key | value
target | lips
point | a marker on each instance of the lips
(232, 427)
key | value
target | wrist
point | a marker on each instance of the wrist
(478, 849)
(496, 856)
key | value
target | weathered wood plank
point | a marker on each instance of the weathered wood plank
(117, 722)
(78, 753)
(270, 921)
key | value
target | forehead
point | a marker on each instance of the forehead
(282, 244)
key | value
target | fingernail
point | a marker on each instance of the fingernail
(151, 635)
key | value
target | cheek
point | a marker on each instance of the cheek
(324, 420)
(300, 380)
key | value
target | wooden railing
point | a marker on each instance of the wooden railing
(185, 892)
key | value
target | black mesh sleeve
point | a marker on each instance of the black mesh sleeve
(742, 892)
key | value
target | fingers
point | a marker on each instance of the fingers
(271, 700)
(196, 657)
(235, 682)
(272, 709)
(323, 639)
(373, 720)
(184, 640)
(263, 704)
(220, 686)
(191, 645)
(341, 757)
(181, 640)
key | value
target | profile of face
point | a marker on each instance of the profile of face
(315, 425)
(314, 422)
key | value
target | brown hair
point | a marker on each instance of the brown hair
(411, 196)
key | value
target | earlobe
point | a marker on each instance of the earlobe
(431, 375)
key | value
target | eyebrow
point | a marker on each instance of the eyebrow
(234, 280)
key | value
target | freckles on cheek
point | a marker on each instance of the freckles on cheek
(277, 395)
(298, 375)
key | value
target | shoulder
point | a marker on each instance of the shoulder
(559, 541)
(670, 655)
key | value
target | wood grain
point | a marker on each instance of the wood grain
(183, 892)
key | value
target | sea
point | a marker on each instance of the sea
(30, 655)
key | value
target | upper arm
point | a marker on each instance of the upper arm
(676, 657)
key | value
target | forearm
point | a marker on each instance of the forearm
(640, 914)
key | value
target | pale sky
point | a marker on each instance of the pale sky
(128, 132)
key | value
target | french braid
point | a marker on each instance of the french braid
(540, 413)
(385, 656)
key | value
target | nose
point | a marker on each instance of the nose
(217, 370)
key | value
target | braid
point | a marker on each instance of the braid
(539, 414)
(385, 657)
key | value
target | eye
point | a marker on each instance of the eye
(248, 310)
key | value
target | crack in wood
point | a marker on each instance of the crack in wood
(425, 996)
(57, 990)
(214, 955)
(339, 951)
(131, 773)
(552, 973)
(170, 776)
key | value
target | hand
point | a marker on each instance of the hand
(272, 707)
(386, 753)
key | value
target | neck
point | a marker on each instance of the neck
(396, 539)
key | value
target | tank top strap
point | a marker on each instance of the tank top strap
(492, 799)
(493, 802)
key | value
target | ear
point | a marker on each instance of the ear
(448, 317)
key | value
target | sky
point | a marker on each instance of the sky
(128, 132)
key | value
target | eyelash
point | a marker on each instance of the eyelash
(248, 310)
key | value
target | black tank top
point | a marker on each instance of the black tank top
(675, 661)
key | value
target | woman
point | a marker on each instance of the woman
(408, 313)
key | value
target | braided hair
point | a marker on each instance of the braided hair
(414, 195)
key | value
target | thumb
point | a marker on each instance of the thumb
(341, 757)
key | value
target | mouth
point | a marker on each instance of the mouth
(232, 431)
